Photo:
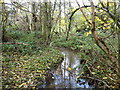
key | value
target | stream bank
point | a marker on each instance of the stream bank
(26, 66)
(65, 76)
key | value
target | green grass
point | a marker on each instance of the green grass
(26, 67)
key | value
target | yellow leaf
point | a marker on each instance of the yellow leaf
(112, 86)
(104, 28)
(52, 77)
(12, 72)
(104, 77)
(108, 27)
(93, 72)
(98, 66)
(82, 72)
(40, 71)
(77, 77)
(69, 69)
(23, 84)
(87, 33)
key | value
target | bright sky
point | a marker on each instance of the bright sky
(60, 0)
(80, 1)
(86, 2)
(74, 4)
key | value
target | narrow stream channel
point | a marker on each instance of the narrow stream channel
(65, 78)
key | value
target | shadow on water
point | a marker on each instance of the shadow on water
(63, 77)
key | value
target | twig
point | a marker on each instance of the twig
(83, 13)
(96, 80)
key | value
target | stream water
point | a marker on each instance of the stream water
(63, 77)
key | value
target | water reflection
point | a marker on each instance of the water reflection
(63, 78)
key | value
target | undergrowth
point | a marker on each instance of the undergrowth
(26, 66)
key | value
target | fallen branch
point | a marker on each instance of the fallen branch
(96, 80)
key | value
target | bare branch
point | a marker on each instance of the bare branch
(83, 13)
(96, 80)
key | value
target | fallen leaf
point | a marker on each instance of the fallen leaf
(98, 66)
(69, 69)
(52, 77)
(23, 84)
(93, 72)
(104, 77)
